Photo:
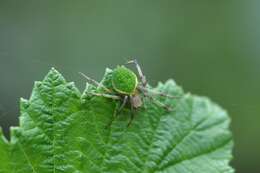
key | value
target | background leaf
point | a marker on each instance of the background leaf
(62, 131)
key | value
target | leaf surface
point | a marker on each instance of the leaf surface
(62, 131)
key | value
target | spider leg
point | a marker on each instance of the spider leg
(158, 103)
(140, 73)
(94, 82)
(146, 90)
(118, 110)
(115, 97)
(132, 112)
(113, 117)
(123, 104)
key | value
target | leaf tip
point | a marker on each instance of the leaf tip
(24, 103)
(54, 71)
(54, 77)
(170, 82)
(14, 133)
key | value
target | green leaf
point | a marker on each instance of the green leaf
(62, 131)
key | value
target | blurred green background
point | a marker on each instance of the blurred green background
(209, 47)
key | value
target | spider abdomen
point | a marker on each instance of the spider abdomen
(124, 80)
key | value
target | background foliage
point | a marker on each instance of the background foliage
(209, 47)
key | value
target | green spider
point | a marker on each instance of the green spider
(123, 85)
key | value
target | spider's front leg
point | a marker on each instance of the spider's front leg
(140, 72)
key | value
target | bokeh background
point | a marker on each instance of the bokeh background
(209, 47)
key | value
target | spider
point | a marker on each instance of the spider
(123, 85)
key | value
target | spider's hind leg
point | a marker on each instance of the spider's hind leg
(117, 110)
(123, 104)
(132, 112)
(115, 113)
(158, 103)
(156, 93)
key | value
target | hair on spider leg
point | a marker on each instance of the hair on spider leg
(114, 116)
(152, 92)
(155, 101)
(166, 107)
(132, 114)
(94, 82)
(119, 108)
(139, 70)
(114, 97)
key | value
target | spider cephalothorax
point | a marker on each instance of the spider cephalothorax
(123, 84)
